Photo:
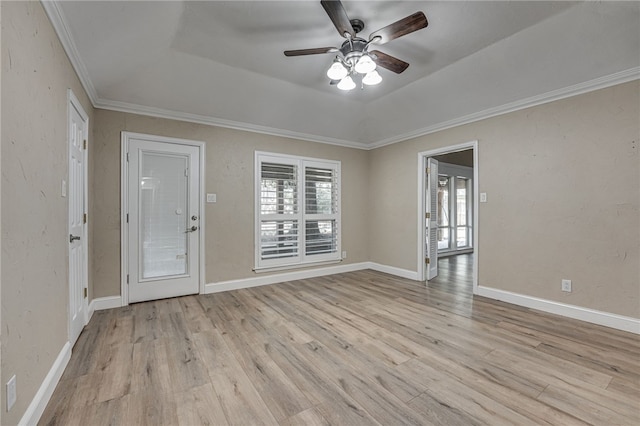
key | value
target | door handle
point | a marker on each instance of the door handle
(192, 229)
(72, 238)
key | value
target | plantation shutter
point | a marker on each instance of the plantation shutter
(297, 210)
(279, 211)
(321, 210)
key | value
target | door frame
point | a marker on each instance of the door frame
(73, 102)
(422, 199)
(124, 206)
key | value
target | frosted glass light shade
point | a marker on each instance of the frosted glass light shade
(372, 78)
(337, 71)
(346, 83)
(365, 64)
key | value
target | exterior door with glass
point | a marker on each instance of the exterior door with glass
(164, 197)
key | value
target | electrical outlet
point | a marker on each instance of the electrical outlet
(344, 254)
(566, 285)
(11, 392)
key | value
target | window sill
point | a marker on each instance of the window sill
(264, 269)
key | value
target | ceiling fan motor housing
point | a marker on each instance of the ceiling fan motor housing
(354, 50)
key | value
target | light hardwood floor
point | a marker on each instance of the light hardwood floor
(361, 348)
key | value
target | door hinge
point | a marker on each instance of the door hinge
(127, 157)
(428, 170)
(427, 260)
(84, 218)
(86, 293)
(427, 215)
(127, 217)
(84, 144)
(186, 172)
(127, 278)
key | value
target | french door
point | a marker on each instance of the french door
(163, 205)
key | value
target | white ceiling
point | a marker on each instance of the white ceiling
(222, 62)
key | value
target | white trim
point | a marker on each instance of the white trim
(267, 269)
(102, 303)
(288, 276)
(124, 208)
(593, 316)
(39, 402)
(58, 20)
(399, 272)
(554, 95)
(124, 228)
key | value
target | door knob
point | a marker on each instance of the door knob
(194, 217)
(193, 228)
(72, 238)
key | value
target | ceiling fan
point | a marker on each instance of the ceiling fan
(354, 58)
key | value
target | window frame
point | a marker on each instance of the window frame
(454, 173)
(301, 216)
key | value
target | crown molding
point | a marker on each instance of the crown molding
(554, 95)
(57, 18)
(220, 122)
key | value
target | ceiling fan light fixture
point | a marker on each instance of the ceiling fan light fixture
(365, 65)
(347, 83)
(337, 71)
(372, 78)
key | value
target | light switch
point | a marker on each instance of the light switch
(63, 188)
(211, 198)
(483, 197)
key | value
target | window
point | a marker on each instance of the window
(297, 210)
(455, 213)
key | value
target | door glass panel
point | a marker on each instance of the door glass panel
(163, 215)
(443, 238)
(461, 237)
(443, 212)
(461, 200)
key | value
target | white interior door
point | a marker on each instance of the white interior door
(77, 192)
(163, 219)
(431, 258)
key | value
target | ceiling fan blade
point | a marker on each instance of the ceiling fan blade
(389, 62)
(405, 26)
(315, 51)
(338, 16)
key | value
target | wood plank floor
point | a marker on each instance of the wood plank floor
(361, 348)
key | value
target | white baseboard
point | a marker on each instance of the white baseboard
(279, 278)
(399, 272)
(42, 397)
(102, 303)
(593, 316)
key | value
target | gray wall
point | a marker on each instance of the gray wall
(229, 239)
(563, 194)
(35, 77)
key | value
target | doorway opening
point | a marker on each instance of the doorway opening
(448, 213)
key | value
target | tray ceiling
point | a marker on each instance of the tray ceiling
(222, 62)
